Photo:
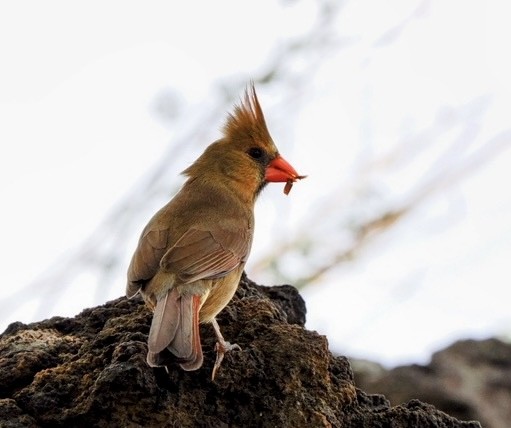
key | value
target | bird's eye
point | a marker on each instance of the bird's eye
(255, 152)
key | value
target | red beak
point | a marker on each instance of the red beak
(279, 170)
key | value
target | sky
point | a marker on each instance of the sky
(79, 127)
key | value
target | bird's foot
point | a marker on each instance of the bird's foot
(221, 347)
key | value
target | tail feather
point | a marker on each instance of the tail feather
(175, 326)
(195, 358)
(165, 322)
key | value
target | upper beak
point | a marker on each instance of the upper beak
(280, 170)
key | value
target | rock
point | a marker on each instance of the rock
(90, 371)
(469, 380)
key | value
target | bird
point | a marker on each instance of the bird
(190, 256)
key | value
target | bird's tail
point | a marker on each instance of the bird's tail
(175, 326)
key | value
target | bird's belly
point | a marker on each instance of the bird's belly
(220, 295)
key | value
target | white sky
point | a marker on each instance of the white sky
(77, 88)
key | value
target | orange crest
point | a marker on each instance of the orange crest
(247, 120)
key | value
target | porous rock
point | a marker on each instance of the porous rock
(90, 371)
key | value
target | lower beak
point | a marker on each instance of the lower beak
(279, 170)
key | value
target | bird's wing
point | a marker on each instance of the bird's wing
(213, 253)
(146, 260)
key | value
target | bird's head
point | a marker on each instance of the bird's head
(246, 157)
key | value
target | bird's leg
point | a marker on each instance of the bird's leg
(221, 347)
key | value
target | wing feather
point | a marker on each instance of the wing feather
(198, 254)
(146, 259)
(206, 254)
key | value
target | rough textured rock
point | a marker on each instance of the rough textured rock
(470, 380)
(90, 371)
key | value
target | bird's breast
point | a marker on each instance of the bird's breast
(222, 291)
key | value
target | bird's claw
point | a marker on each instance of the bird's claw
(221, 349)
(226, 347)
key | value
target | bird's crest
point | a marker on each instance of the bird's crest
(247, 119)
(244, 125)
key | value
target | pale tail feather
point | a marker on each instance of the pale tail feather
(194, 361)
(153, 359)
(165, 322)
(186, 344)
(175, 326)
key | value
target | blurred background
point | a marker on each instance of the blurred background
(398, 112)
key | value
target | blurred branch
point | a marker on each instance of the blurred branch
(363, 234)
(452, 165)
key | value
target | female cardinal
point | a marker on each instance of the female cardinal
(191, 254)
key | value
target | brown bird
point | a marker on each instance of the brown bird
(191, 254)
